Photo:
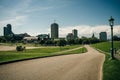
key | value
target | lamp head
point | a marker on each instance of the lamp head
(111, 21)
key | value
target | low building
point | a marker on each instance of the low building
(30, 39)
(70, 36)
(43, 36)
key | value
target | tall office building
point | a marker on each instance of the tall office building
(103, 36)
(75, 33)
(8, 30)
(54, 31)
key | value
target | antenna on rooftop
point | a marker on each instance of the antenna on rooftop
(54, 20)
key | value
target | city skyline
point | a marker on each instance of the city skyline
(35, 17)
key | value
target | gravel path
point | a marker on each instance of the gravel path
(86, 66)
(11, 48)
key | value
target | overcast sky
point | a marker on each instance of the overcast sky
(36, 16)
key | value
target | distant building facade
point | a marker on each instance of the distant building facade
(54, 31)
(8, 30)
(75, 33)
(103, 36)
(70, 36)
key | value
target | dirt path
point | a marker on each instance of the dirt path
(11, 48)
(86, 66)
(68, 50)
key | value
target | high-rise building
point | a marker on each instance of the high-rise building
(8, 30)
(103, 36)
(5, 31)
(54, 31)
(75, 33)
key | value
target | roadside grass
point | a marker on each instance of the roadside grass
(111, 68)
(6, 56)
(81, 50)
(105, 46)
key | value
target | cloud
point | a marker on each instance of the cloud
(85, 30)
(16, 21)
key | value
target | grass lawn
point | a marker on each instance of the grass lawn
(111, 68)
(105, 46)
(6, 56)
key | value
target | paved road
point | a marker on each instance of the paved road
(86, 66)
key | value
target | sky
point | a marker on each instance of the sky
(35, 16)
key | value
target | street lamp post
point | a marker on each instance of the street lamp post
(111, 23)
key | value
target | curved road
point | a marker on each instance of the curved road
(86, 66)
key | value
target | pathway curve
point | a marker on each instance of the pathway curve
(86, 66)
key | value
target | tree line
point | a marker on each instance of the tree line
(59, 42)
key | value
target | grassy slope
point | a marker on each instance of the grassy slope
(111, 68)
(32, 53)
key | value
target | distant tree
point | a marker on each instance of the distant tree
(49, 42)
(76, 41)
(55, 43)
(2, 39)
(116, 38)
(8, 38)
(62, 42)
(42, 42)
(80, 41)
(93, 40)
(70, 41)
(85, 40)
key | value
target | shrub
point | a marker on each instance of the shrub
(20, 48)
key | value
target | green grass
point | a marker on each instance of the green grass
(81, 50)
(105, 46)
(111, 68)
(6, 56)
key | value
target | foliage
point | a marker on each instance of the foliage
(93, 40)
(42, 42)
(61, 42)
(116, 38)
(2, 39)
(20, 48)
(49, 42)
(70, 41)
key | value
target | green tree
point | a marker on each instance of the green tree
(85, 40)
(42, 42)
(62, 42)
(70, 41)
(116, 38)
(2, 39)
(49, 42)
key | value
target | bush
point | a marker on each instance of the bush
(20, 48)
